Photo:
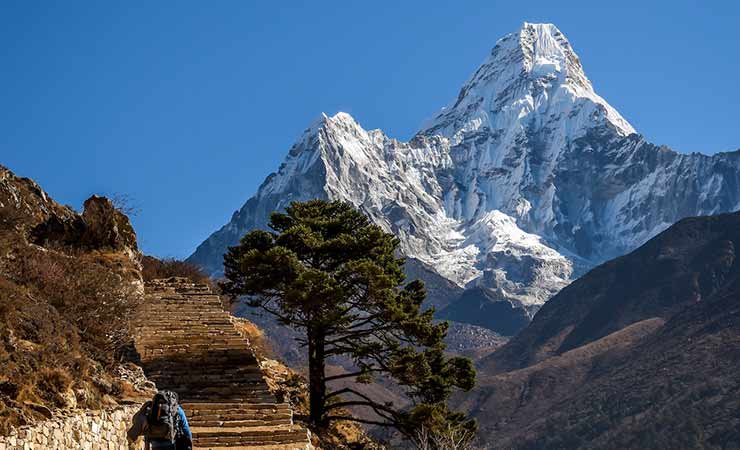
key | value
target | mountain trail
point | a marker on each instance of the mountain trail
(188, 344)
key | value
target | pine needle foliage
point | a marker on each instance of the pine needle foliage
(328, 271)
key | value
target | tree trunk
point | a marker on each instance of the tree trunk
(316, 378)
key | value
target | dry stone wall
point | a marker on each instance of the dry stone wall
(88, 430)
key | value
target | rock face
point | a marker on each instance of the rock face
(641, 352)
(106, 226)
(26, 208)
(480, 307)
(521, 184)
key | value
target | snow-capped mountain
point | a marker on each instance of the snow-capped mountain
(522, 183)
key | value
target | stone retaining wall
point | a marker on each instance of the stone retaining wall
(88, 430)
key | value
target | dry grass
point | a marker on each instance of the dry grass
(61, 318)
(256, 337)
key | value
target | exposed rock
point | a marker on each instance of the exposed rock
(472, 341)
(107, 227)
(480, 307)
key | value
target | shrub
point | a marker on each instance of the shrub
(61, 317)
(154, 268)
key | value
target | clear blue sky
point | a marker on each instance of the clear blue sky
(186, 106)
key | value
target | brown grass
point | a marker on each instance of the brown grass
(61, 318)
(256, 337)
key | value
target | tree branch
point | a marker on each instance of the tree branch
(349, 375)
(356, 419)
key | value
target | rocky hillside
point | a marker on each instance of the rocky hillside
(68, 282)
(641, 352)
(525, 181)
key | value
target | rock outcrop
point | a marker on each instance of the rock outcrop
(107, 227)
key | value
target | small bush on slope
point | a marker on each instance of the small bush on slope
(153, 268)
(61, 320)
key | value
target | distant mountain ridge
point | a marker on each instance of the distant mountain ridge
(641, 352)
(523, 183)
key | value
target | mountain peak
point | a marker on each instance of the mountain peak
(549, 53)
(533, 71)
(326, 120)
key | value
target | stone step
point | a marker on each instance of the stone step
(152, 317)
(251, 382)
(295, 446)
(185, 371)
(196, 313)
(191, 302)
(296, 441)
(161, 367)
(233, 406)
(220, 390)
(196, 380)
(159, 317)
(193, 327)
(201, 350)
(201, 328)
(168, 299)
(241, 412)
(186, 325)
(231, 415)
(229, 437)
(244, 422)
(188, 397)
(198, 330)
(202, 333)
(195, 331)
(205, 336)
(230, 342)
(220, 394)
(186, 305)
(196, 349)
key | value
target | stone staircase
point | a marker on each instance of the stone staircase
(188, 344)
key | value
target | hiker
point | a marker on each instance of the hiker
(163, 424)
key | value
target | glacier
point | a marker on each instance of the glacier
(522, 183)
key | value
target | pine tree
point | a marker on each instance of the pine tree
(327, 271)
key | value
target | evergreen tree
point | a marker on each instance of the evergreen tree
(327, 271)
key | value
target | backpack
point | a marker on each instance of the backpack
(163, 419)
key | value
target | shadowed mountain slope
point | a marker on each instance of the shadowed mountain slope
(642, 352)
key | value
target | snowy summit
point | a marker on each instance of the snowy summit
(524, 181)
